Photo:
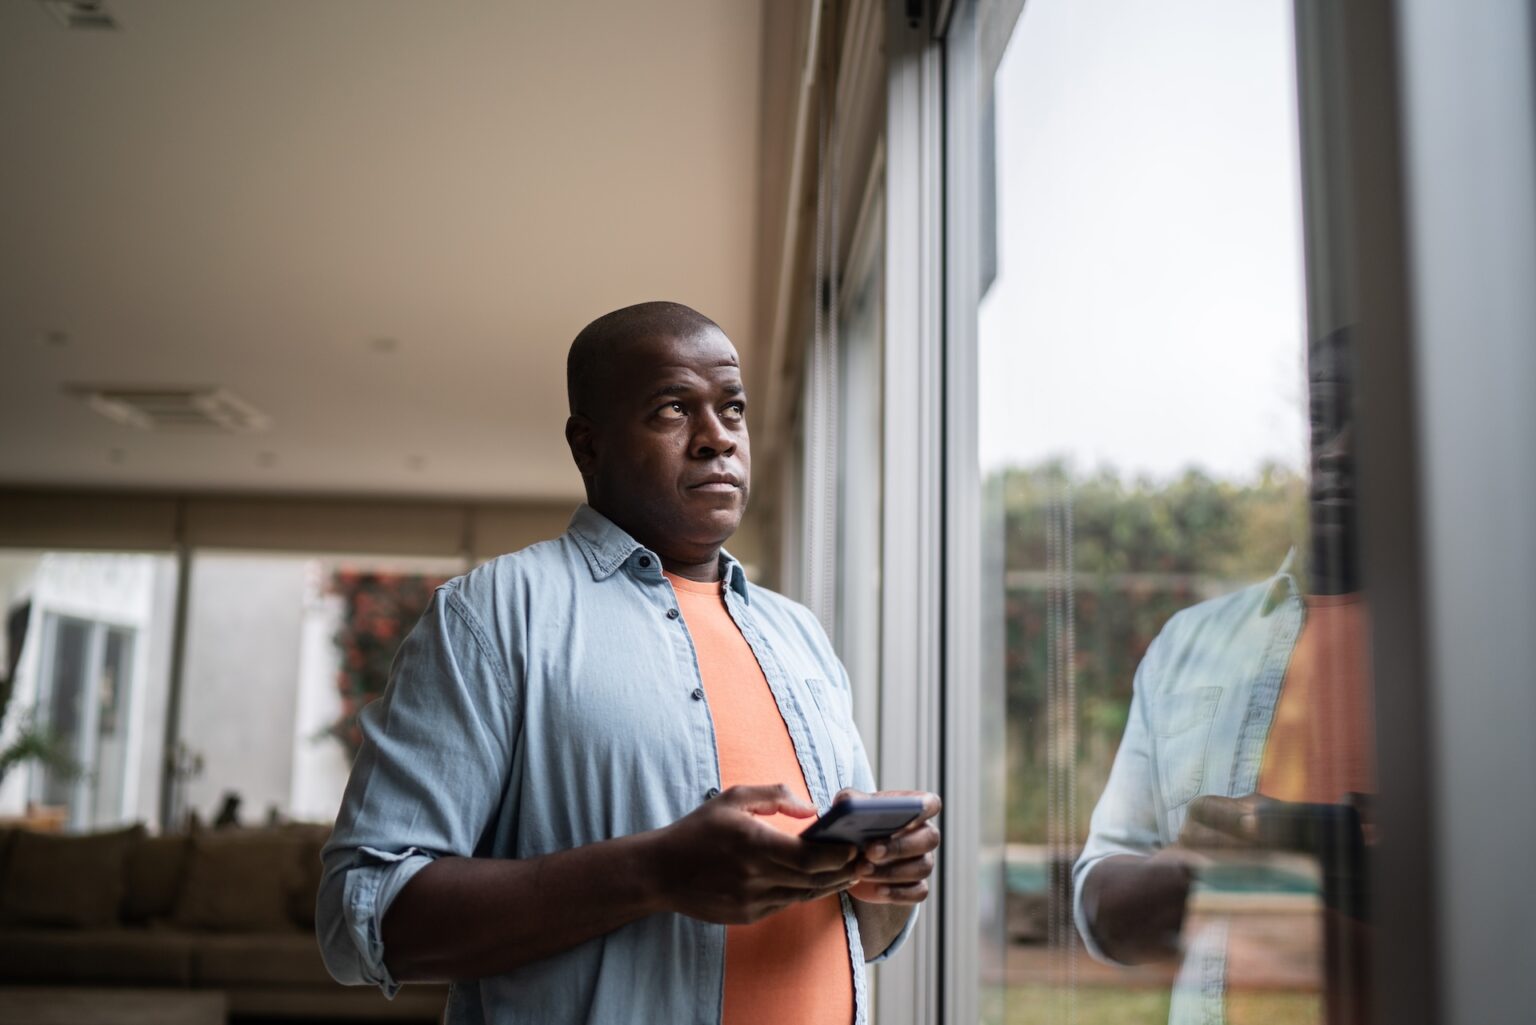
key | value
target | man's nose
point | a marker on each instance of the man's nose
(1337, 450)
(712, 438)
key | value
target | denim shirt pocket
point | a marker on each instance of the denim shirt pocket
(1182, 725)
(835, 765)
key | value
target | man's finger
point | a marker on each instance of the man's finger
(783, 878)
(908, 893)
(771, 799)
(909, 870)
(1234, 816)
(920, 841)
(801, 855)
(792, 895)
(806, 857)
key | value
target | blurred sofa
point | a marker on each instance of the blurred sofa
(231, 910)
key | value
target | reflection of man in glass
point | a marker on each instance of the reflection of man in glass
(1249, 730)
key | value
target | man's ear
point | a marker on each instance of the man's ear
(581, 436)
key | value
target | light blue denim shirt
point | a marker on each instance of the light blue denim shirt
(1203, 701)
(548, 699)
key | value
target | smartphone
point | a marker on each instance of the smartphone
(1332, 834)
(864, 820)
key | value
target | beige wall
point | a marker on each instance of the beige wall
(117, 521)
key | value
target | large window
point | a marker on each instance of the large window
(282, 653)
(1167, 473)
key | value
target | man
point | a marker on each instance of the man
(578, 797)
(1250, 729)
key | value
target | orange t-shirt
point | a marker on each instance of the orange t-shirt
(792, 966)
(1321, 745)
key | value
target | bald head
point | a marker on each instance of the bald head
(600, 348)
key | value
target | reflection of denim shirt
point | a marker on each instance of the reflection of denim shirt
(549, 699)
(1203, 702)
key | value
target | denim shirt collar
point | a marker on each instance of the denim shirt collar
(1282, 586)
(607, 547)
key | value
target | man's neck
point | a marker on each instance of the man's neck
(703, 572)
(703, 567)
(1333, 570)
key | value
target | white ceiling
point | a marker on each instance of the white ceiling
(248, 193)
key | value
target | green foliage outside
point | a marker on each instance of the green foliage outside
(1141, 551)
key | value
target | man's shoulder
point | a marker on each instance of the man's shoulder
(1223, 612)
(543, 565)
(1218, 642)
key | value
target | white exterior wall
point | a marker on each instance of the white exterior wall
(240, 680)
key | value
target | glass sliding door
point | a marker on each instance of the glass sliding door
(1171, 605)
(87, 680)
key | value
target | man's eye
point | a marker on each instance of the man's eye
(734, 412)
(671, 411)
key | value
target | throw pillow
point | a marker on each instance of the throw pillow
(7, 836)
(239, 881)
(155, 871)
(75, 881)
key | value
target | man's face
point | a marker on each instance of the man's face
(1334, 567)
(669, 458)
(1332, 491)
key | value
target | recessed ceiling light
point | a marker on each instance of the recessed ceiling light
(385, 346)
(207, 408)
(80, 13)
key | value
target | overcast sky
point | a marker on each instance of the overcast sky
(1148, 309)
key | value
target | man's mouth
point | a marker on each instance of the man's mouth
(717, 482)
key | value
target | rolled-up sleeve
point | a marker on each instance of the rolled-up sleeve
(1125, 820)
(430, 779)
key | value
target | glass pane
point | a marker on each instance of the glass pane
(1167, 473)
(113, 679)
(283, 651)
(66, 713)
(860, 439)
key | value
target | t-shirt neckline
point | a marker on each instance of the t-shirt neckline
(712, 588)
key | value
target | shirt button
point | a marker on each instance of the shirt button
(672, 613)
(645, 561)
(698, 694)
(711, 793)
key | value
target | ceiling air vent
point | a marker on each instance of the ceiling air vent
(79, 13)
(175, 409)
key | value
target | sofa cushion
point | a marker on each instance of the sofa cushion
(75, 881)
(252, 959)
(7, 838)
(97, 956)
(307, 883)
(155, 871)
(240, 881)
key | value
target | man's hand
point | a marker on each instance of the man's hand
(893, 874)
(896, 871)
(721, 863)
(1135, 903)
(1216, 823)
